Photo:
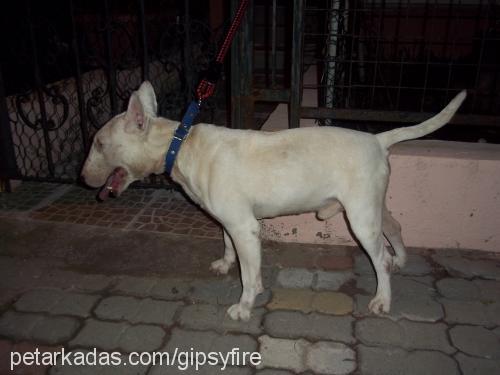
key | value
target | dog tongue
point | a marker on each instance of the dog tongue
(113, 183)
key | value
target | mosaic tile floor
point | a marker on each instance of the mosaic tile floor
(140, 209)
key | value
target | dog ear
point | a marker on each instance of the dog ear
(135, 116)
(148, 99)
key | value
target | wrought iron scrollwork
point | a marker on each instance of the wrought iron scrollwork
(55, 118)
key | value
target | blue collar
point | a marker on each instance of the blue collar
(180, 135)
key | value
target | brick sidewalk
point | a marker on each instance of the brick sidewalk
(312, 319)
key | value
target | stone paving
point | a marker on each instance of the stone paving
(312, 319)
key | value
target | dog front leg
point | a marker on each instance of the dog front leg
(222, 265)
(246, 240)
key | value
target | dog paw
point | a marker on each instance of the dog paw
(239, 312)
(379, 305)
(220, 266)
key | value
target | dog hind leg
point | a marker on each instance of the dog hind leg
(222, 265)
(392, 231)
(366, 223)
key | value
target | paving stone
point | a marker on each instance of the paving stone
(224, 292)
(472, 312)
(477, 366)
(395, 361)
(26, 326)
(204, 317)
(114, 336)
(141, 338)
(416, 265)
(460, 266)
(137, 310)
(363, 265)
(413, 286)
(39, 300)
(291, 299)
(269, 276)
(404, 285)
(18, 326)
(305, 300)
(295, 278)
(401, 285)
(55, 329)
(416, 308)
(332, 280)
(283, 353)
(367, 282)
(334, 303)
(461, 289)
(207, 341)
(136, 286)
(170, 289)
(330, 358)
(406, 334)
(58, 302)
(476, 341)
(292, 324)
(490, 289)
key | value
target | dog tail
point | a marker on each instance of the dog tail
(388, 138)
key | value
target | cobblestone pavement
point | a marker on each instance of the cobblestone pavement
(70, 279)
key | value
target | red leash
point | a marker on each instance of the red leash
(206, 87)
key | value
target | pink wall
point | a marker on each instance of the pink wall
(444, 194)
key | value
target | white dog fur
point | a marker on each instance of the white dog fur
(240, 176)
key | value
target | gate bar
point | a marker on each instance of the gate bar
(8, 165)
(144, 40)
(78, 71)
(112, 86)
(39, 91)
(296, 69)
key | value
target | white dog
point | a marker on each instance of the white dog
(239, 176)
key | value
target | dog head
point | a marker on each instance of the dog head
(127, 148)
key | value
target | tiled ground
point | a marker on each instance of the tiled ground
(140, 209)
(308, 321)
(171, 213)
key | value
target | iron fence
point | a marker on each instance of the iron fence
(72, 65)
(374, 64)
(398, 60)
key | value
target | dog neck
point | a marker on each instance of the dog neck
(158, 140)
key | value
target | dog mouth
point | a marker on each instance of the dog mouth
(114, 183)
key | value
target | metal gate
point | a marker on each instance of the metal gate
(70, 65)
